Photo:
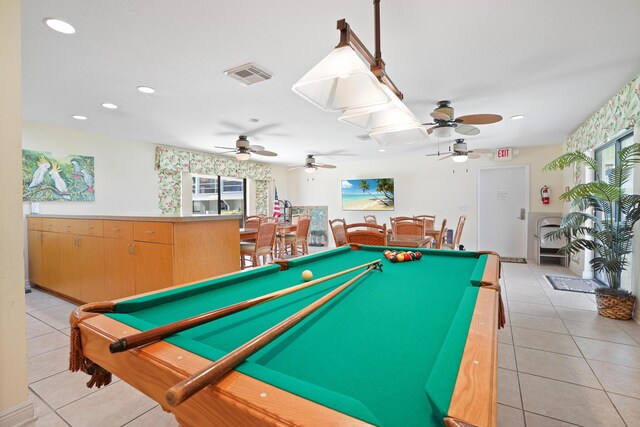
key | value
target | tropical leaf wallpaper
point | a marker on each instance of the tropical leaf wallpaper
(48, 177)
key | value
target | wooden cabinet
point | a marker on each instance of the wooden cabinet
(93, 259)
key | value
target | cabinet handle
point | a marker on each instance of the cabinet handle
(115, 229)
(130, 249)
(133, 250)
(76, 241)
(40, 236)
(89, 227)
(65, 226)
(149, 231)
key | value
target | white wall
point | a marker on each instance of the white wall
(14, 406)
(125, 180)
(424, 185)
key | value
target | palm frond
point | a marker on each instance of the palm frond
(569, 159)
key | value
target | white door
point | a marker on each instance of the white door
(503, 204)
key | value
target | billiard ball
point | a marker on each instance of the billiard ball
(386, 253)
(307, 275)
(393, 259)
(413, 255)
(418, 255)
(407, 257)
(400, 257)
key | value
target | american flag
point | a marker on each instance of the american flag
(276, 205)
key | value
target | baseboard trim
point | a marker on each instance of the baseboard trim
(19, 416)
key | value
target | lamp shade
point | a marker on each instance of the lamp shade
(341, 81)
(442, 131)
(393, 114)
(243, 155)
(460, 158)
(406, 135)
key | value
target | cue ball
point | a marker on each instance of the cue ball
(307, 275)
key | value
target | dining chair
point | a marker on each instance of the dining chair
(405, 226)
(299, 238)
(443, 232)
(371, 219)
(338, 230)
(457, 235)
(251, 223)
(263, 246)
(367, 234)
(429, 220)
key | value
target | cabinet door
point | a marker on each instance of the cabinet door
(118, 268)
(34, 240)
(153, 266)
(90, 266)
(50, 273)
(69, 283)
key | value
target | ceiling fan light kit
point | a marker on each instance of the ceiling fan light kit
(243, 155)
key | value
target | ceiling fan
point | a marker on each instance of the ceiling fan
(311, 166)
(444, 121)
(244, 149)
(460, 152)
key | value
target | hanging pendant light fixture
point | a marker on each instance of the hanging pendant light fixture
(343, 80)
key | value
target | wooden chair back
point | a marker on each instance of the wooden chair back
(302, 230)
(339, 233)
(252, 222)
(458, 234)
(404, 226)
(443, 231)
(265, 238)
(367, 234)
(371, 219)
(429, 220)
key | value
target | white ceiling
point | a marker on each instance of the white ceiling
(554, 61)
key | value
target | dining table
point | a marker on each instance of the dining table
(410, 241)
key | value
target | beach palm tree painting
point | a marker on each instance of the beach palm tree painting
(367, 194)
(48, 177)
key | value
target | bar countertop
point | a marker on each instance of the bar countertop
(158, 218)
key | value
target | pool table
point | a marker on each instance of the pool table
(412, 345)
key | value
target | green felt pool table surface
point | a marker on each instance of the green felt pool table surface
(385, 351)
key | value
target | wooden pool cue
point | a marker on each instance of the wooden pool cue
(214, 372)
(156, 334)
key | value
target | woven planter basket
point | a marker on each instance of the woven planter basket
(615, 307)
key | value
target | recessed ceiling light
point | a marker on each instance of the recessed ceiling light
(517, 117)
(146, 89)
(110, 106)
(59, 25)
(382, 150)
(79, 117)
(254, 120)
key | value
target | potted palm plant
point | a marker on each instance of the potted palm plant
(602, 220)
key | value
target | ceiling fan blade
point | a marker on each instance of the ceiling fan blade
(438, 115)
(480, 119)
(467, 130)
(294, 167)
(225, 148)
(482, 151)
(434, 154)
(430, 130)
(445, 156)
(255, 147)
(232, 125)
(473, 155)
(225, 152)
(323, 165)
(260, 129)
(227, 133)
(266, 153)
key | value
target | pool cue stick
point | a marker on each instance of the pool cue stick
(215, 371)
(161, 332)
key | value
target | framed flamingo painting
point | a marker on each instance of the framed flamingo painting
(48, 177)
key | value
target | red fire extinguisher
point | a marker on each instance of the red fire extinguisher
(544, 195)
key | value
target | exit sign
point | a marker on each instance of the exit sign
(503, 154)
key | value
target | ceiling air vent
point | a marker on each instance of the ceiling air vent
(364, 137)
(249, 74)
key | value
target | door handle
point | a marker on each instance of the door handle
(522, 214)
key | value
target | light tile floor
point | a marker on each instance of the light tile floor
(560, 364)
